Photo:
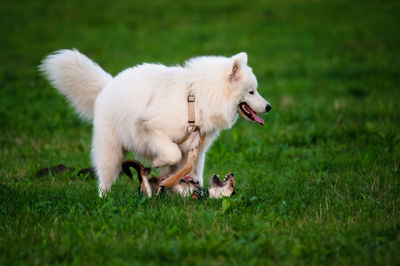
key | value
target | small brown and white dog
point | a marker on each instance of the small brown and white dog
(185, 187)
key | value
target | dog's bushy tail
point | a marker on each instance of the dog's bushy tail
(77, 77)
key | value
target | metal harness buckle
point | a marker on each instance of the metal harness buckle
(193, 128)
(191, 98)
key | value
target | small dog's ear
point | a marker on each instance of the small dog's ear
(232, 179)
(215, 181)
(239, 61)
(228, 176)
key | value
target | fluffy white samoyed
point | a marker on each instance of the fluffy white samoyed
(144, 108)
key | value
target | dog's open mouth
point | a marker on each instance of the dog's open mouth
(245, 110)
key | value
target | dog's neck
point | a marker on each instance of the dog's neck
(214, 113)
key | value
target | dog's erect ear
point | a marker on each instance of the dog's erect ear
(238, 62)
(229, 176)
(231, 179)
(215, 181)
(241, 57)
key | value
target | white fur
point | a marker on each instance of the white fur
(144, 108)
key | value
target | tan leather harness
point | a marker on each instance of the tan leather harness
(173, 179)
(192, 127)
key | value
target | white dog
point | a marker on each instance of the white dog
(144, 108)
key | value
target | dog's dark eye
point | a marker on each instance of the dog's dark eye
(251, 92)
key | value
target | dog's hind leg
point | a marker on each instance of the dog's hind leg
(107, 156)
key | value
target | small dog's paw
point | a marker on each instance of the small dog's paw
(160, 190)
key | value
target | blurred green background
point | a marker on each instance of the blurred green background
(318, 184)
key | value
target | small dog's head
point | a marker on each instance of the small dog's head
(219, 188)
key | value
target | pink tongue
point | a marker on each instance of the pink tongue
(255, 116)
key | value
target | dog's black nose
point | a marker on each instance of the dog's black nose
(268, 108)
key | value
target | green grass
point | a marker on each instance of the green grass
(319, 184)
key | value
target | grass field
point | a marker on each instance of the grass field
(318, 184)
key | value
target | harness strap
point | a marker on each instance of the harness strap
(182, 140)
(192, 127)
(191, 113)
